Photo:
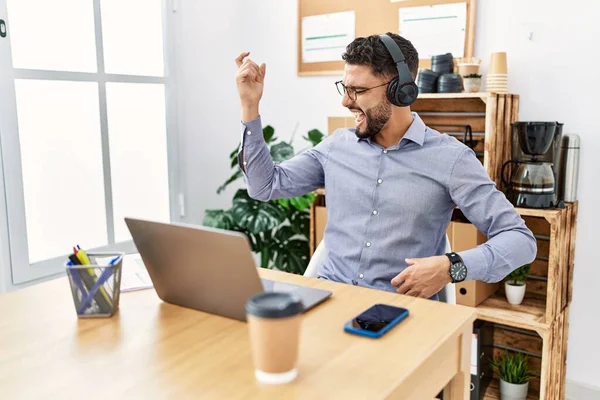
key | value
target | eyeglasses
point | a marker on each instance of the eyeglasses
(353, 92)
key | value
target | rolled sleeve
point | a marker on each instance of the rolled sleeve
(476, 262)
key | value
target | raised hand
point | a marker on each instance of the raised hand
(250, 80)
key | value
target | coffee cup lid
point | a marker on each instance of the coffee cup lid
(274, 305)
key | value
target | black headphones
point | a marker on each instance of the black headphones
(402, 90)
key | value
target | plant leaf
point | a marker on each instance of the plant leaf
(269, 134)
(233, 156)
(237, 175)
(314, 136)
(290, 252)
(302, 202)
(255, 216)
(282, 151)
(285, 203)
(300, 222)
(219, 219)
(520, 274)
(512, 367)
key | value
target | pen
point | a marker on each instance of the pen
(81, 254)
(75, 276)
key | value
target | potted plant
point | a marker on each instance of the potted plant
(472, 83)
(515, 285)
(514, 372)
(278, 230)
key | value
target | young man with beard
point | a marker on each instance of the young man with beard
(391, 183)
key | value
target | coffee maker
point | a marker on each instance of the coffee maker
(536, 158)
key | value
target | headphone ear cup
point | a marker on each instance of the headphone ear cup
(407, 94)
(392, 91)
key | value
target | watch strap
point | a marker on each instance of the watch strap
(454, 257)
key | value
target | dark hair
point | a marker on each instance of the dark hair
(372, 52)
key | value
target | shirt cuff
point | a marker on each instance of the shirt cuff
(476, 263)
(251, 132)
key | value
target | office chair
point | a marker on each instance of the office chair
(446, 295)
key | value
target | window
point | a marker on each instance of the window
(83, 125)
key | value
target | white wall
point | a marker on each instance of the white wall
(206, 43)
(544, 71)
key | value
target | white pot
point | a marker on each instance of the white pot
(510, 391)
(472, 85)
(514, 293)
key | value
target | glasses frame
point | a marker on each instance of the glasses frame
(351, 91)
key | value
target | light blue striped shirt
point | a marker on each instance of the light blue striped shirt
(385, 205)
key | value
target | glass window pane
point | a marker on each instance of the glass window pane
(138, 153)
(133, 37)
(61, 157)
(53, 35)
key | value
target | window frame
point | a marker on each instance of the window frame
(14, 246)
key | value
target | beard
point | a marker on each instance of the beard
(376, 118)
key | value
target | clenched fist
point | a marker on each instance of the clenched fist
(250, 80)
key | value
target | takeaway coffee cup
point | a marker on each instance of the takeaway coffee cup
(274, 326)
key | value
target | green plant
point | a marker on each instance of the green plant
(472, 76)
(513, 368)
(519, 275)
(278, 230)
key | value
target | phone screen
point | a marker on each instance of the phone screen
(377, 317)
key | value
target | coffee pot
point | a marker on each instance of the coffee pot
(535, 157)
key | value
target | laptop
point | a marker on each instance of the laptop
(207, 269)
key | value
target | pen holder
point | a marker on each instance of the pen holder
(96, 287)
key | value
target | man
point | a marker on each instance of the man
(391, 183)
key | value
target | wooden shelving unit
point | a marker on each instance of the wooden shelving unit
(548, 287)
(538, 326)
(547, 350)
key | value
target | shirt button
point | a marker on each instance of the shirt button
(249, 133)
(379, 180)
(368, 244)
(385, 152)
(245, 163)
(374, 212)
(361, 276)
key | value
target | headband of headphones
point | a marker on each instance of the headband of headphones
(402, 91)
(404, 75)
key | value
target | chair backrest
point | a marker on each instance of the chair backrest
(446, 295)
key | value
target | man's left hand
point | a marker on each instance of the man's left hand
(423, 277)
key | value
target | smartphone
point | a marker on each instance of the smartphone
(376, 320)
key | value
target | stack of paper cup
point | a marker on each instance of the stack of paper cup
(497, 77)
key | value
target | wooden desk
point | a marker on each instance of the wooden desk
(151, 349)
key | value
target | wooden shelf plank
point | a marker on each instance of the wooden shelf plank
(548, 213)
(527, 315)
(477, 95)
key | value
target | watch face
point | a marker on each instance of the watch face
(458, 271)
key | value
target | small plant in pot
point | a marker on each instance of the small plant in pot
(472, 83)
(514, 372)
(515, 285)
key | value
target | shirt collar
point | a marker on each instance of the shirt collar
(415, 132)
